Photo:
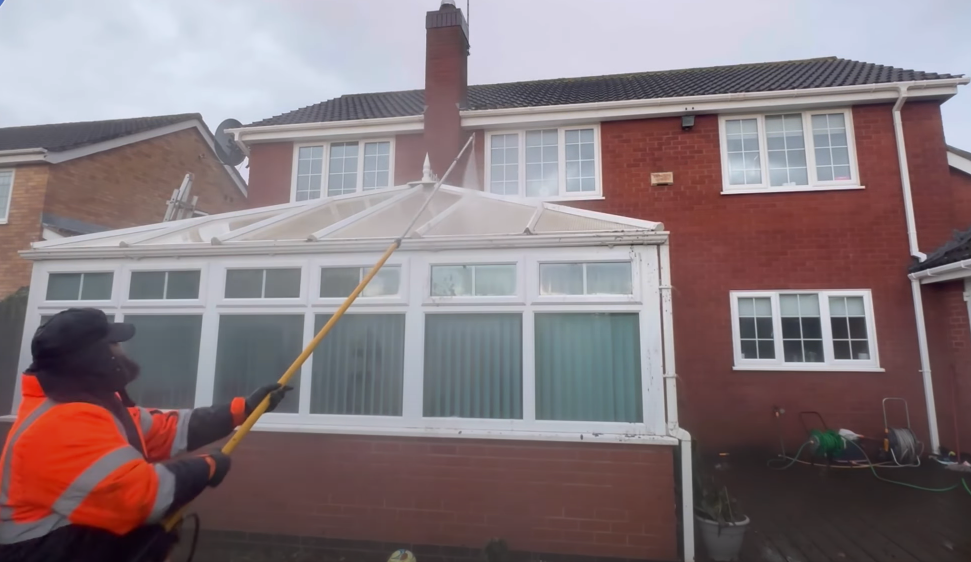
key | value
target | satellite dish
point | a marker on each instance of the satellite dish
(227, 150)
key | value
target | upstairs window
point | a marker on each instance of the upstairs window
(544, 163)
(788, 151)
(341, 168)
(6, 194)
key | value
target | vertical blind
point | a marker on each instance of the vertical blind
(588, 367)
(254, 350)
(358, 368)
(473, 366)
(166, 348)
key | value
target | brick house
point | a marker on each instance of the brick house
(804, 201)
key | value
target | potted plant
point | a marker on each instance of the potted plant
(721, 523)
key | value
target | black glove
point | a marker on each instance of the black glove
(219, 464)
(276, 392)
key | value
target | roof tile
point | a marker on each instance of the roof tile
(64, 136)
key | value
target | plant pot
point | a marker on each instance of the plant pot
(723, 542)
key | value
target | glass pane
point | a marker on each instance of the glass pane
(854, 306)
(766, 349)
(167, 349)
(791, 328)
(841, 350)
(358, 367)
(857, 327)
(812, 328)
(561, 279)
(254, 350)
(588, 367)
(473, 366)
(64, 286)
(841, 328)
(789, 305)
(339, 282)
(495, 280)
(609, 279)
(451, 281)
(764, 328)
(244, 283)
(814, 351)
(746, 328)
(147, 285)
(860, 350)
(763, 306)
(385, 283)
(96, 286)
(282, 284)
(183, 285)
(750, 349)
(792, 350)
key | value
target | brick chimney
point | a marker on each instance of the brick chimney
(446, 83)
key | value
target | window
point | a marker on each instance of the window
(473, 280)
(544, 163)
(6, 194)
(253, 350)
(588, 367)
(262, 283)
(804, 330)
(340, 282)
(341, 168)
(789, 151)
(607, 278)
(167, 349)
(473, 366)
(79, 286)
(359, 367)
(164, 285)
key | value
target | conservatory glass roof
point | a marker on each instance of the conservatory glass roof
(452, 214)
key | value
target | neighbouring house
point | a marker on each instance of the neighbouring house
(65, 179)
(617, 265)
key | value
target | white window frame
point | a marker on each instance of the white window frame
(326, 163)
(416, 269)
(518, 296)
(563, 194)
(814, 184)
(395, 261)
(5, 211)
(829, 364)
(636, 295)
(199, 301)
(82, 268)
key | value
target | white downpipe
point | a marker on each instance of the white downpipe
(925, 360)
(671, 401)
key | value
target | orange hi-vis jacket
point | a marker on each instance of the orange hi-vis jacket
(70, 468)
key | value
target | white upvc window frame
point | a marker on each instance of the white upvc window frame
(324, 170)
(416, 269)
(198, 302)
(534, 280)
(5, 209)
(829, 363)
(563, 194)
(814, 184)
(517, 298)
(366, 263)
(82, 268)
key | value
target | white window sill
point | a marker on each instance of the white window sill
(517, 435)
(3, 221)
(796, 189)
(805, 367)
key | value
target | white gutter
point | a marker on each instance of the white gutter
(409, 123)
(925, 359)
(947, 272)
(290, 247)
(23, 155)
(671, 401)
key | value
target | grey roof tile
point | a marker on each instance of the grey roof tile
(65, 136)
(758, 77)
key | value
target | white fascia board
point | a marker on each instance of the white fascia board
(331, 130)
(959, 162)
(64, 156)
(22, 156)
(948, 272)
(335, 246)
(649, 225)
(718, 103)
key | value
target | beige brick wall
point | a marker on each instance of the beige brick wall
(23, 225)
(129, 186)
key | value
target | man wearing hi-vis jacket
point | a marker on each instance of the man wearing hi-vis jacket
(85, 474)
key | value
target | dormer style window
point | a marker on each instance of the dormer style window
(341, 168)
(800, 151)
(554, 163)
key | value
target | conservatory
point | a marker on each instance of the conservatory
(497, 317)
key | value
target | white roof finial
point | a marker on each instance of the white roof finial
(426, 171)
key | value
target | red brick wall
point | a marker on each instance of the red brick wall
(409, 157)
(130, 185)
(822, 240)
(929, 174)
(961, 198)
(605, 500)
(949, 340)
(270, 169)
(23, 226)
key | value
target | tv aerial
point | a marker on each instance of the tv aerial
(227, 150)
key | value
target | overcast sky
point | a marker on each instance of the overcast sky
(73, 60)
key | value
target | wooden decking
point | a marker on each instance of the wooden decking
(810, 514)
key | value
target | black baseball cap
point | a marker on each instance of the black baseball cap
(74, 329)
